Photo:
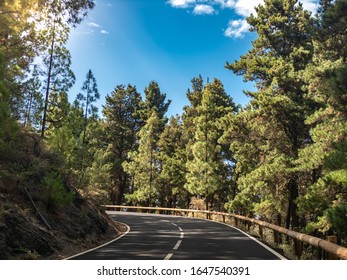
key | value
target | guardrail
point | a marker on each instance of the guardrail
(335, 251)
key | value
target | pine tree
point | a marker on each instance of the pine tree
(172, 157)
(56, 63)
(122, 124)
(155, 100)
(207, 170)
(144, 164)
(8, 127)
(324, 157)
(190, 112)
(91, 91)
(276, 63)
(22, 38)
(33, 100)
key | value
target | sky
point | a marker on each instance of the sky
(167, 41)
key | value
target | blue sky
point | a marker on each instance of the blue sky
(169, 41)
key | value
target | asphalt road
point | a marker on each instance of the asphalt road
(159, 237)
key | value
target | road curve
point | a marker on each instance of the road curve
(159, 237)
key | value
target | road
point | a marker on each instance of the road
(159, 237)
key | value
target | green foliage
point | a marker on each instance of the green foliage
(91, 91)
(55, 192)
(62, 141)
(266, 135)
(207, 171)
(155, 100)
(33, 101)
(173, 158)
(143, 166)
(121, 126)
(337, 218)
(325, 157)
(8, 127)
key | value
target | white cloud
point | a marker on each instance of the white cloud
(236, 28)
(310, 5)
(242, 8)
(93, 27)
(181, 3)
(203, 10)
(225, 3)
(93, 24)
(246, 7)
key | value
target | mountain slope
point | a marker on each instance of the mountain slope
(41, 214)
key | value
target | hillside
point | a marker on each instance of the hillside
(41, 215)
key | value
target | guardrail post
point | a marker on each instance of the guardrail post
(260, 231)
(223, 217)
(276, 237)
(298, 248)
(236, 222)
(332, 239)
(249, 224)
(297, 245)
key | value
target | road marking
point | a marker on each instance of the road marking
(177, 244)
(168, 257)
(254, 239)
(103, 245)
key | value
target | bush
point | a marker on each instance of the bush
(337, 217)
(56, 194)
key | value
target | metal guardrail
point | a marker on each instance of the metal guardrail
(335, 251)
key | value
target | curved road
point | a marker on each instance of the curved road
(158, 237)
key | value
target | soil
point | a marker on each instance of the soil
(27, 232)
(31, 226)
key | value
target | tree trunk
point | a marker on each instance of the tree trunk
(292, 220)
(48, 84)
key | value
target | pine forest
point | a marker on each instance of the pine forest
(281, 158)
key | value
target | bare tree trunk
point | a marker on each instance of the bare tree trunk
(48, 84)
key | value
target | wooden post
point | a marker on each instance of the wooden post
(243, 225)
(249, 224)
(236, 222)
(298, 248)
(223, 216)
(332, 239)
(260, 231)
(297, 245)
(276, 237)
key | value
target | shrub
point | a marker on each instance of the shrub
(56, 194)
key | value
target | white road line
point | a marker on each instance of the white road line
(177, 244)
(256, 240)
(168, 257)
(103, 245)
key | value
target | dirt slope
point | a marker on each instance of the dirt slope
(31, 227)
